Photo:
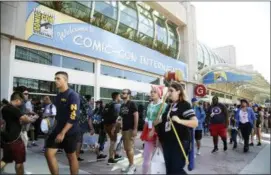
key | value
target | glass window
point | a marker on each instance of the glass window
(80, 10)
(161, 30)
(105, 15)
(111, 71)
(36, 56)
(128, 20)
(77, 64)
(146, 29)
(119, 73)
(49, 87)
(173, 40)
(106, 92)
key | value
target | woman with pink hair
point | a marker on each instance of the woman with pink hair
(149, 136)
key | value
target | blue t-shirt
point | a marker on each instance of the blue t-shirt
(68, 109)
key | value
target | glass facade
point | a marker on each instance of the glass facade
(207, 57)
(137, 21)
(48, 87)
(124, 74)
(41, 57)
(141, 99)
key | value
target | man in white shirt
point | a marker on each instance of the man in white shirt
(48, 118)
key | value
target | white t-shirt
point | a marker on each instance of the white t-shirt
(243, 116)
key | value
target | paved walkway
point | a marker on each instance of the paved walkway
(230, 162)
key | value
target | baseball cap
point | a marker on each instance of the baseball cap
(194, 100)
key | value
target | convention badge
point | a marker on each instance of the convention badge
(149, 124)
(167, 126)
(146, 119)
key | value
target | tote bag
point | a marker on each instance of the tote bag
(158, 163)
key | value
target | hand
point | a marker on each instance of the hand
(135, 132)
(175, 119)
(151, 133)
(59, 138)
(156, 122)
(92, 132)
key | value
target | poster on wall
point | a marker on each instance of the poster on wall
(52, 28)
(225, 77)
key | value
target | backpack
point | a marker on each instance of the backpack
(84, 110)
(108, 113)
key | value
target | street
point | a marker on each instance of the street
(257, 161)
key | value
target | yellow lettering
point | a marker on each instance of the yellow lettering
(73, 115)
(63, 100)
(73, 107)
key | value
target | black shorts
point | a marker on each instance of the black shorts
(198, 134)
(69, 143)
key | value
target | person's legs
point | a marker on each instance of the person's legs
(147, 154)
(222, 131)
(178, 159)
(79, 146)
(128, 141)
(167, 157)
(259, 135)
(198, 137)
(234, 138)
(19, 168)
(50, 155)
(214, 134)
(73, 162)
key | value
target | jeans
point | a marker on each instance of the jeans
(234, 133)
(174, 158)
(246, 129)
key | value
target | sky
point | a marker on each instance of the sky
(245, 25)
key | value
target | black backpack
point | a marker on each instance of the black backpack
(108, 113)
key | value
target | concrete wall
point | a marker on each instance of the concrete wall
(228, 53)
(13, 15)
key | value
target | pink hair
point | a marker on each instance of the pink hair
(158, 89)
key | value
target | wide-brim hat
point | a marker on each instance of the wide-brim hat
(244, 100)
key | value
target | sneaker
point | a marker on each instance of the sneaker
(118, 157)
(131, 169)
(101, 157)
(215, 150)
(80, 159)
(251, 144)
(225, 147)
(234, 146)
(34, 144)
(112, 161)
(82, 151)
(259, 144)
(198, 152)
(125, 169)
(246, 149)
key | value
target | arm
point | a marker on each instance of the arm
(203, 115)
(135, 114)
(26, 119)
(190, 119)
(191, 123)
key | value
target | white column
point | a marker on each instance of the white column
(7, 52)
(189, 47)
(97, 80)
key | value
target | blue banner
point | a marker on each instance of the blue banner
(224, 77)
(51, 28)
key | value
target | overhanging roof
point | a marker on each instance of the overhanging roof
(258, 86)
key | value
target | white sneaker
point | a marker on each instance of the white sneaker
(198, 152)
(131, 169)
(125, 169)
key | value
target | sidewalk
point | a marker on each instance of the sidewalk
(36, 164)
(260, 164)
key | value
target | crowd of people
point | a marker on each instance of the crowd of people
(65, 122)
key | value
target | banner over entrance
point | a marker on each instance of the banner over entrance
(225, 77)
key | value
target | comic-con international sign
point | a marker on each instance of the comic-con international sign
(51, 28)
(43, 24)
